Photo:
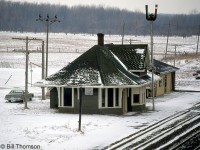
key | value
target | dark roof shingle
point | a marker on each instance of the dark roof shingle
(134, 57)
(161, 67)
(99, 66)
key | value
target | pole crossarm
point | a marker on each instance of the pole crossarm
(20, 38)
(47, 21)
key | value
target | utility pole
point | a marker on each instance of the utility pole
(152, 18)
(26, 75)
(47, 21)
(175, 56)
(43, 72)
(123, 26)
(198, 41)
(26, 70)
(167, 41)
(31, 73)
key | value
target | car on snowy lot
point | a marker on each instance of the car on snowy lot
(198, 76)
(18, 95)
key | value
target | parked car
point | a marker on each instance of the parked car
(198, 76)
(18, 95)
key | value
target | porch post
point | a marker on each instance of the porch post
(106, 97)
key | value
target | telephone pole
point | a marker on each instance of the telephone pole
(198, 41)
(123, 26)
(26, 70)
(152, 18)
(43, 71)
(175, 55)
(167, 41)
(47, 22)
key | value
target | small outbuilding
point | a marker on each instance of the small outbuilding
(167, 73)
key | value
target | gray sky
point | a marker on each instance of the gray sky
(164, 6)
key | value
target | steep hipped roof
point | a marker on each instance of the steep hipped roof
(161, 67)
(134, 57)
(100, 65)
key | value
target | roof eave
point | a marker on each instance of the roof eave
(143, 70)
(92, 86)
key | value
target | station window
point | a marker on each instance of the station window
(136, 98)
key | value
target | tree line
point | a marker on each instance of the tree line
(21, 17)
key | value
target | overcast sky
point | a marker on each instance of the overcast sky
(164, 6)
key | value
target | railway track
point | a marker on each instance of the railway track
(165, 134)
(190, 142)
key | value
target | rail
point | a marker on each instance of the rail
(158, 133)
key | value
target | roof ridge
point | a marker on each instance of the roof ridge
(97, 50)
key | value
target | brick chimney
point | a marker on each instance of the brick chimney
(100, 39)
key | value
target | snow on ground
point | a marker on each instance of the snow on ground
(61, 42)
(40, 125)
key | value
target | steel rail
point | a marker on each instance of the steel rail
(134, 136)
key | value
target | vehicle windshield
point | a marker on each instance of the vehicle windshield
(17, 91)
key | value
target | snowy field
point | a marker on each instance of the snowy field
(40, 125)
(61, 42)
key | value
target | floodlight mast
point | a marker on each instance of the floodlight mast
(47, 21)
(152, 18)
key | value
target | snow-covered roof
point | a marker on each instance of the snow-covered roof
(100, 66)
(134, 57)
(155, 77)
(161, 67)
